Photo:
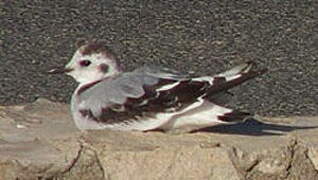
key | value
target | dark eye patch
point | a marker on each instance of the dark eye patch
(85, 63)
(104, 68)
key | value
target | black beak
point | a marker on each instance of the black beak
(59, 70)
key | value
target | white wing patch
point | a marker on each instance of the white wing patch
(242, 68)
(169, 86)
(230, 78)
(204, 78)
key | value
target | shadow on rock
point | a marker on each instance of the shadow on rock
(254, 127)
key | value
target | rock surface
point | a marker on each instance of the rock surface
(40, 141)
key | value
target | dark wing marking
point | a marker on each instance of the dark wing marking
(153, 101)
(222, 85)
(234, 116)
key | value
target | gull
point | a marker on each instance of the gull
(150, 97)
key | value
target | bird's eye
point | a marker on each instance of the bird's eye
(85, 63)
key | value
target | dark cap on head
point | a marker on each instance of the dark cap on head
(80, 42)
(91, 47)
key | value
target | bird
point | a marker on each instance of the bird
(150, 97)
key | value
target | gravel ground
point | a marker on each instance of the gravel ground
(201, 36)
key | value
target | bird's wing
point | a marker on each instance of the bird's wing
(138, 94)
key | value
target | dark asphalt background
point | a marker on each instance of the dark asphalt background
(202, 36)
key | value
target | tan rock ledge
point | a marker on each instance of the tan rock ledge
(40, 141)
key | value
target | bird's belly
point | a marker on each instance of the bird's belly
(202, 116)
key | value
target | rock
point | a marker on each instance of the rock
(40, 141)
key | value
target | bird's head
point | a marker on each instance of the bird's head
(91, 62)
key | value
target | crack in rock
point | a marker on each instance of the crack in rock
(301, 167)
(99, 163)
(292, 148)
(86, 164)
(75, 160)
